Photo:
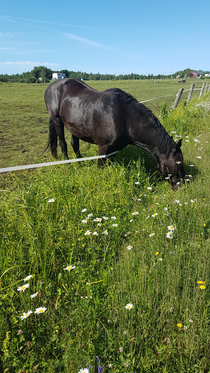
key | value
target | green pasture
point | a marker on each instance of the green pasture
(24, 118)
(119, 261)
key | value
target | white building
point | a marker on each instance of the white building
(58, 76)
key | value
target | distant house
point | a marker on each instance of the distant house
(58, 76)
(196, 74)
(207, 75)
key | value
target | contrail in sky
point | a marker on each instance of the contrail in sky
(62, 24)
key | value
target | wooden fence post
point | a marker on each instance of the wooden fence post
(178, 96)
(202, 88)
(190, 92)
(206, 87)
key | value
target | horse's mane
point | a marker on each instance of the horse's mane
(163, 141)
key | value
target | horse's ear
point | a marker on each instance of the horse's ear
(179, 144)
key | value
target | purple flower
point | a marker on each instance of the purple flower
(89, 368)
(99, 368)
(19, 332)
(98, 359)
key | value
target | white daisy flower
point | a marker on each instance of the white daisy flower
(154, 215)
(97, 219)
(34, 295)
(84, 210)
(129, 247)
(87, 233)
(90, 216)
(136, 182)
(114, 225)
(40, 310)
(84, 370)
(69, 268)
(27, 278)
(129, 306)
(106, 233)
(113, 217)
(160, 259)
(25, 315)
(105, 218)
(84, 221)
(51, 200)
(95, 233)
(169, 235)
(23, 288)
(171, 228)
(151, 235)
(135, 213)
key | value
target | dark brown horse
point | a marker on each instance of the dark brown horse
(110, 119)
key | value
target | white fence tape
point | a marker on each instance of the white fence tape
(157, 98)
(37, 165)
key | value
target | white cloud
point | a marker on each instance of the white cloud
(27, 63)
(7, 49)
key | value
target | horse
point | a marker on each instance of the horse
(111, 119)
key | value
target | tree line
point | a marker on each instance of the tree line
(41, 74)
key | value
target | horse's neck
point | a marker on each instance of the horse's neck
(156, 142)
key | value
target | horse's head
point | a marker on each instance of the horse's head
(172, 167)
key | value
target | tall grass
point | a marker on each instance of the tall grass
(45, 217)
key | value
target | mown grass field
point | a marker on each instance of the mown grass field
(133, 295)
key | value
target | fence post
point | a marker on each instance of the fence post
(178, 96)
(206, 88)
(190, 92)
(202, 88)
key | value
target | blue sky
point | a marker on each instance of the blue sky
(115, 37)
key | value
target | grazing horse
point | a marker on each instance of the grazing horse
(110, 119)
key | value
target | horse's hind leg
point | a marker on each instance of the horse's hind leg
(59, 126)
(75, 146)
(104, 150)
